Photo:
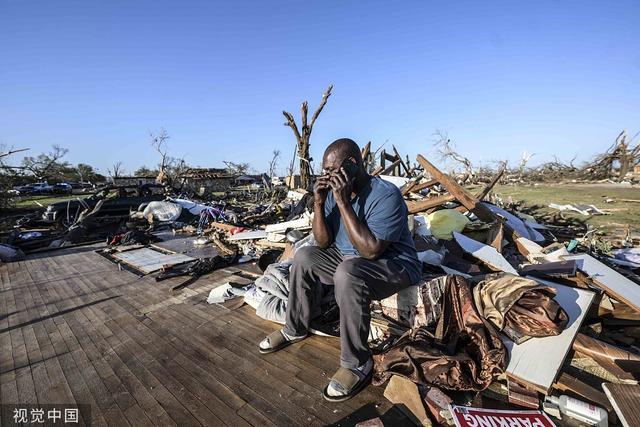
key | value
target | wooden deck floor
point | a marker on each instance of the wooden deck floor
(76, 330)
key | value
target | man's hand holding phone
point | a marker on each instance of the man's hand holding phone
(341, 184)
(321, 188)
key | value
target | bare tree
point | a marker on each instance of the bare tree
(116, 170)
(237, 168)
(170, 169)
(302, 135)
(523, 162)
(447, 152)
(173, 172)
(159, 142)
(8, 174)
(145, 171)
(46, 165)
(273, 163)
(11, 151)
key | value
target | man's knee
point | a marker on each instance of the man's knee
(304, 255)
(347, 272)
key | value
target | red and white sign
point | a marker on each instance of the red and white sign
(465, 416)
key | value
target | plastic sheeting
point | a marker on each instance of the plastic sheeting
(193, 207)
(444, 222)
(163, 211)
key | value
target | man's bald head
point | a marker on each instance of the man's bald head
(338, 151)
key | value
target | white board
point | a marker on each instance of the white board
(488, 254)
(304, 221)
(147, 260)
(248, 235)
(538, 360)
(612, 282)
(519, 226)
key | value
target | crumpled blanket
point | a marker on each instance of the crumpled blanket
(465, 353)
(272, 293)
(521, 308)
(275, 284)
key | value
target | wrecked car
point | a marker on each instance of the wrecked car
(118, 201)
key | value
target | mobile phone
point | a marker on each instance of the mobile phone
(350, 167)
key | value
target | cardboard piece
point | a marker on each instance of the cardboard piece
(404, 393)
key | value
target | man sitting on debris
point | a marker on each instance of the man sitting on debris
(365, 250)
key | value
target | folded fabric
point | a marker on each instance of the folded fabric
(521, 308)
(464, 353)
(220, 294)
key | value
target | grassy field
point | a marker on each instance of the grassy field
(620, 213)
(32, 202)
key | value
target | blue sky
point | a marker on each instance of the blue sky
(554, 78)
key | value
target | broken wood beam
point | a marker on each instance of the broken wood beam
(402, 163)
(422, 186)
(619, 362)
(521, 395)
(406, 189)
(377, 171)
(365, 151)
(480, 196)
(462, 195)
(432, 202)
(391, 167)
(221, 226)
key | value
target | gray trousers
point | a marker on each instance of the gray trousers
(357, 281)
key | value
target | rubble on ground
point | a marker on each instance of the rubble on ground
(565, 318)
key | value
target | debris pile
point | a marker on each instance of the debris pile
(510, 312)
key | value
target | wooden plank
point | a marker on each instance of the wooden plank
(569, 383)
(69, 352)
(422, 186)
(107, 353)
(148, 260)
(621, 363)
(625, 399)
(481, 195)
(416, 206)
(366, 150)
(551, 269)
(525, 362)
(129, 357)
(462, 195)
(402, 163)
(609, 280)
(389, 168)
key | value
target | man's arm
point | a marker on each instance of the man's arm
(321, 232)
(365, 242)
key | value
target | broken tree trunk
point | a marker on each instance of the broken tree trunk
(303, 135)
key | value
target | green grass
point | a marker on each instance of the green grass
(620, 213)
(30, 201)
